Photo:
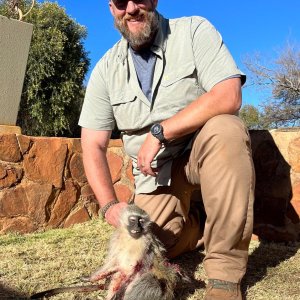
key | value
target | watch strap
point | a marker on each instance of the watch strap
(160, 136)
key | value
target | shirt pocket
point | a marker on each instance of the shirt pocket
(178, 73)
(178, 88)
(126, 107)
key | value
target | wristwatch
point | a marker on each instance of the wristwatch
(158, 131)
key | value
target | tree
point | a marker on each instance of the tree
(53, 88)
(251, 117)
(282, 77)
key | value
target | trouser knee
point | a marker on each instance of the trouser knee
(226, 129)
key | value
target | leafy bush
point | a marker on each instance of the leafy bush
(53, 88)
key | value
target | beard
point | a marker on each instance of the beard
(145, 36)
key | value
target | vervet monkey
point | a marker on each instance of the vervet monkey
(136, 261)
(135, 264)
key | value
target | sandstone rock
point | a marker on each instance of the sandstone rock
(117, 143)
(93, 208)
(123, 193)
(9, 148)
(87, 195)
(74, 145)
(79, 216)
(77, 169)
(294, 154)
(296, 197)
(3, 172)
(129, 174)
(45, 161)
(296, 191)
(25, 143)
(9, 176)
(89, 200)
(19, 224)
(115, 163)
(86, 191)
(64, 204)
(4, 129)
(29, 200)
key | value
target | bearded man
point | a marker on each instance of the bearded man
(173, 90)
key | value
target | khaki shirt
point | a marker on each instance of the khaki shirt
(191, 59)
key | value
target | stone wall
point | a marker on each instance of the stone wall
(43, 185)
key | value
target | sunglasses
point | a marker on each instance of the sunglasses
(121, 4)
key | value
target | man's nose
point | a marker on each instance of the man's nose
(131, 7)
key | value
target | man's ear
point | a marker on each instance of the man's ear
(111, 8)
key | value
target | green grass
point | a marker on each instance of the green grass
(55, 258)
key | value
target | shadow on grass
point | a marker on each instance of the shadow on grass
(188, 264)
(267, 255)
(8, 293)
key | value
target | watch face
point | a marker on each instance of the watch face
(156, 129)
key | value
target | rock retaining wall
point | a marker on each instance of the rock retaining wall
(43, 184)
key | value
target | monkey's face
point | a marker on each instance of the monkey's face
(137, 226)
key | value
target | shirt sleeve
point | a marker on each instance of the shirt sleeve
(213, 61)
(97, 111)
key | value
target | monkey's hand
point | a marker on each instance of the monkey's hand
(112, 215)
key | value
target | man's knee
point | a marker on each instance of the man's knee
(223, 134)
(225, 126)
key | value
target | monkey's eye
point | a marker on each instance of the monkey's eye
(142, 221)
(132, 220)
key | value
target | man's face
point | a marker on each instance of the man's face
(136, 20)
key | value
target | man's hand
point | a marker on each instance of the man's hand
(148, 151)
(112, 215)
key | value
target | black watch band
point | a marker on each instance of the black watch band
(158, 131)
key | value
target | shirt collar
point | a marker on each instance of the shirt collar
(160, 40)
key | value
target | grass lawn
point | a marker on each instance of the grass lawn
(55, 258)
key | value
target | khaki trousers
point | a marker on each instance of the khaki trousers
(220, 166)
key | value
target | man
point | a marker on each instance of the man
(173, 90)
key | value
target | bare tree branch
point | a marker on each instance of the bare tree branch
(282, 78)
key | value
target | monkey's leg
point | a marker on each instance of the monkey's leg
(107, 269)
(118, 285)
(98, 275)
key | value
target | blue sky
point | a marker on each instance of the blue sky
(247, 27)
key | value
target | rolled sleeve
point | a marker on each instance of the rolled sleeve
(97, 111)
(213, 61)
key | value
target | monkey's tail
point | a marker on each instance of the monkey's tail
(82, 288)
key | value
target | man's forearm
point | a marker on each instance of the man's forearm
(225, 98)
(98, 174)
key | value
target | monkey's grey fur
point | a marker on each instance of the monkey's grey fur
(136, 261)
(135, 264)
